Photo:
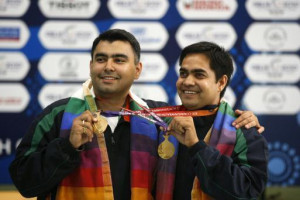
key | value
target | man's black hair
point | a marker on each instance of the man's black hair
(122, 35)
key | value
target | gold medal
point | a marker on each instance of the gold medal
(166, 149)
(101, 125)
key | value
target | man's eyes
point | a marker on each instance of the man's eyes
(182, 74)
(119, 60)
(100, 59)
(198, 75)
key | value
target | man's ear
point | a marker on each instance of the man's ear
(222, 82)
(91, 62)
(138, 70)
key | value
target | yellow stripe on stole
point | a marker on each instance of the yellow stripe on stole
(140, 193)
(80, 193)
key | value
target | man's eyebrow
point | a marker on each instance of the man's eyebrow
(119, 55)
(198, 70)
(192, 71)
(113, 55)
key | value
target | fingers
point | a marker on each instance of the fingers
(82, 129)
(87, 129)
(175, 126)
(184, 130)
(246, 118)
(261, 129)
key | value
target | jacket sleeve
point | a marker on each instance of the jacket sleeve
(241, 176)
(42, 158)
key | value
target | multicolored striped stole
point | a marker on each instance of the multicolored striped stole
(222, 136)
(148, 170)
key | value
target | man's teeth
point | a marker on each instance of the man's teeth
(189, 92)
(109, 78)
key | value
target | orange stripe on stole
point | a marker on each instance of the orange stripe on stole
(140, 194)
(197, 193)
(82, 193)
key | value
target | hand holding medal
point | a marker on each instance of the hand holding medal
(101, 125)
(184, 130)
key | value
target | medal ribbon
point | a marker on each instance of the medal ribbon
(106, 174)
(156, 113)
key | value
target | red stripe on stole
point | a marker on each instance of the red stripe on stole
(163, 196)
(163, 185)
(141, 179)
(225, 149)
(84, 177)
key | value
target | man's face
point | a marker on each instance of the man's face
(197, 86)
(112, 69)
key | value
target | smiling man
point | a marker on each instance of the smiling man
(216, 160)
(72, 152)
(68, 153)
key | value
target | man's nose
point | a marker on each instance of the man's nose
(189, 80)
(110, 65)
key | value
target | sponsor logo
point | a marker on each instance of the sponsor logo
(155, 67)
(149, 40)
(147, 91)
(10, 33)
(270, 9)
(14, 66)
(14, 97)
(273, 100)
(204, 9)
(284, 164)
(13, 8)
(65, 66)
(53, 92)
(69, 8)
(136, 9)
(68, 34)
(273, 68)
(273, 36)
(220, 33)
(13, 34)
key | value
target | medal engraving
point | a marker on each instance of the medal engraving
(101, 125)
(166, 149)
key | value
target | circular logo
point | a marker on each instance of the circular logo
(274, 100)
(283, 164)
(275, 37)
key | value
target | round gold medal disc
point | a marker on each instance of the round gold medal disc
(101, 125)
(166, 149)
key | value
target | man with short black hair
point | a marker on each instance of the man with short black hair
(216, 160)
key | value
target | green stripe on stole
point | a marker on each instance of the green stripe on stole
(223, 108)
(241, 147)
(76, 106)
(43, 127)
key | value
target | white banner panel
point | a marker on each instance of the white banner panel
(273, 100)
